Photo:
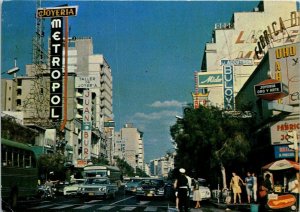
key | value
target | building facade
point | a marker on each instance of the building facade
(129, 145)
(238, 47)
(87, 71)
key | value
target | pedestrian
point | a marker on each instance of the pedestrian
(235, 186)
(254, 187)
(181, 184)
(249, 186)
(265, 187)
(176, 194)
(196, 193)
(267, 183)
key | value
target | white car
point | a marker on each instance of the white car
(204, 190)
(71, 189)
(95, 187)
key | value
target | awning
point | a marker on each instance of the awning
(282, 165)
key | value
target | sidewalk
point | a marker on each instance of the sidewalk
(232, 207)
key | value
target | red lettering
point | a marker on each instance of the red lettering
(239, 40)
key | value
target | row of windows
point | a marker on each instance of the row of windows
(14, 157)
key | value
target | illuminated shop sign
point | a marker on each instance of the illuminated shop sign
(209, 79)
(87, 124)
(56, 48)
(275, 31)
(56, 12)
(228, 87)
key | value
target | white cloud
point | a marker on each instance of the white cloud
(156, 115)
(172, 103)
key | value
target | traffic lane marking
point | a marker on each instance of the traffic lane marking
(122, 200)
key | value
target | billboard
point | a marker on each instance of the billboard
(209, 79)
(87, 124)
(228, 87)
(280, 129)
(56, 74)
(284, 66)
(87, 81)
(283, 151)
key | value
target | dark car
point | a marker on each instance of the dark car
(132, 184)
(152, 187)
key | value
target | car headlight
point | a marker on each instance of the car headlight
(139, 188)
(102, 189)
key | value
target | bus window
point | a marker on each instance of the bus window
(9, 157)
(15, 159)
(27, 160)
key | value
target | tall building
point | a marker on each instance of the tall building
(237, 48)
(162, 166)
(130, 143)
(86, 71)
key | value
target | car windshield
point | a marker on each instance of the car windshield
(156, 183)
(135, 180)
(96, 181)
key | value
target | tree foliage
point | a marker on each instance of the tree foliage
(52, 163)
(207, 137)
(12, 130)
(128, 170)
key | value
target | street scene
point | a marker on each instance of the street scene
(150, 105)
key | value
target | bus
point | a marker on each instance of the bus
(112, 172)
(19, 171)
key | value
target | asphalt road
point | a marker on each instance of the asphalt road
(122, 202)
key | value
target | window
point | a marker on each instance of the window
(18, 102)
(19, 92)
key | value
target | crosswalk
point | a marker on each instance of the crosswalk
(95, 206)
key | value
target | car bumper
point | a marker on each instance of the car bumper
(149, 194)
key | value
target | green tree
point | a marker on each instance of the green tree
(128, 170)
(208, 140)
(52, 163)
(9, 127)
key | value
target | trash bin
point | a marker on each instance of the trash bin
(254, 207)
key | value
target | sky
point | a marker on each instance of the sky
(152, 47)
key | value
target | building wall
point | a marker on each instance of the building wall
(238, 39)
(134, 147)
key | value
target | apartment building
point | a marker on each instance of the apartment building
(30, 94)
(129, 146)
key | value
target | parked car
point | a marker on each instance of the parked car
(71, 189)
(95, 187)
(131, 185)
(204, 189)
(152, 187)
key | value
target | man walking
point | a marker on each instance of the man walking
(181, 184)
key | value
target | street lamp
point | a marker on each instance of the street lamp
(13, 70)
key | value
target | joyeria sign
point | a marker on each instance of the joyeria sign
(56, 51)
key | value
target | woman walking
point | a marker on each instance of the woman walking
(236, 188)
(196, 193)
